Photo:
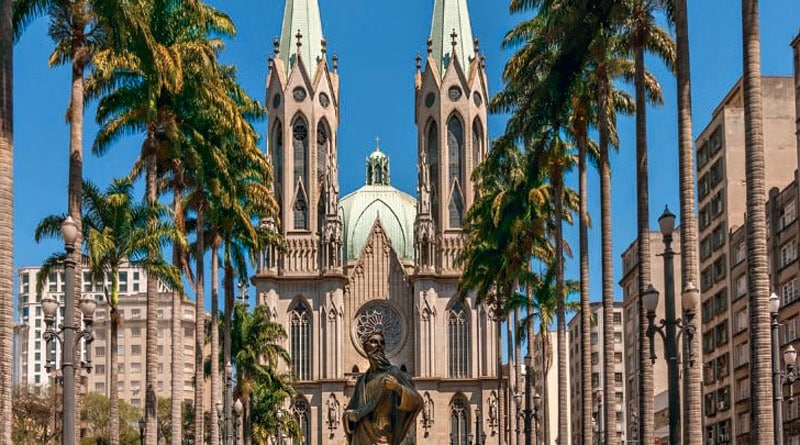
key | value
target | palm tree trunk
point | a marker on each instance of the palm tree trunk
(692, 410)
(645, 378)
(561, 315)
(113, 410)
(609, 388)
(75, 182)
(6, 217)
(214, 439)
(200, 331)
(586, 309)
(517, 369)
(761, 413)
(226, 340)
(511, 368)
(500, 430)
(176, 385)
(544, 424)
(151, 334)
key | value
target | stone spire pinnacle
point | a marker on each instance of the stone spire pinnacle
(301, 18)
(451, 18)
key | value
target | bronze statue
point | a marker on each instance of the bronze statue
(384, 404)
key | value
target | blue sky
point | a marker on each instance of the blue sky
(376, 43)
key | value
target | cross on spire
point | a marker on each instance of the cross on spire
(454, 36)
(299, 37)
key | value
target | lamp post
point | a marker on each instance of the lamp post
(480, 435)
(527, 413)
(243, 287)
(777, 378)
(219, 420)
(598, 419)
(237, 417)
(518, 416)
(537, 403)
(68, 334)
(669, 327)
(279, 416)
(142, 424)
(227, 403)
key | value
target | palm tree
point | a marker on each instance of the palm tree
(7, 220)
(149, 91)
(117, 232)
(761, 413)
(645, 35)
(256, 353)
(692, 409)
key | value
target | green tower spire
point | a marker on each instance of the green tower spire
(301, 35)
(451, 25)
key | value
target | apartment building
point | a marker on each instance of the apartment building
(721, 192)
(131, 349)
(630, 303)
(30, 320)
(597, 357)
(32, 353)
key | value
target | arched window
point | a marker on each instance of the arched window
(432, 144)
(455, 171)
(300, 337)
(277, 157)
(458, 340)
(459, 422)
(323, 136)
(477, 142)
(300, 177)
(301, 412)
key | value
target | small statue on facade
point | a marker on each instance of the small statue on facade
(384, 404)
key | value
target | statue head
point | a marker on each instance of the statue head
(375, 348)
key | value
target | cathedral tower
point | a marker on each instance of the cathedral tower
(303, 102)
(451, 127)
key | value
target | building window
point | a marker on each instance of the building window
(789, 291)
(433, 168)
(136, 349)
(136, 332)
(740, 253)
(741, 286)
(301, 414)
(788, 215)
(741, 355)
(301, 341)
(455, 168)
(300, 177)
(459, 422)
(788, 253)
(458, 340)
(277, 157)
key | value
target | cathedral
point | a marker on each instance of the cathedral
(378, 259)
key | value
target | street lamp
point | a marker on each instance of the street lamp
(779, 377)
(142, 424)
(219, 420)
(68, 335)
(227, 403)
(527, 413)
(518, 416)
(279, 416)
(237, 416)
(243, 287)
(480, 435)
(669, 327)
(537, 403)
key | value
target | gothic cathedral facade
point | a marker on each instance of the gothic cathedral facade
(378, 258)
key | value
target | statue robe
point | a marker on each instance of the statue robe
(384, 416)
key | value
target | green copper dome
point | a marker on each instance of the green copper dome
(378, 200)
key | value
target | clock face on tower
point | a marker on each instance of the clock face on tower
(379, 317)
